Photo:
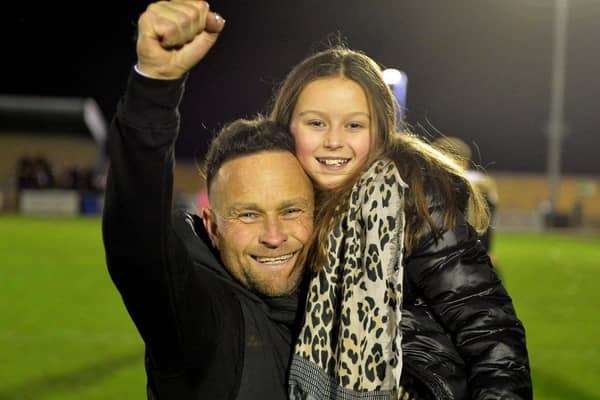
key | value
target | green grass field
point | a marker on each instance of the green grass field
(64, 333)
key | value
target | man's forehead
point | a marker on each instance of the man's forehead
(272, 176)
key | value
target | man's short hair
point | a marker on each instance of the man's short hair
(244, 137)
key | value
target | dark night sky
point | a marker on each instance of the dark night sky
(477, 69)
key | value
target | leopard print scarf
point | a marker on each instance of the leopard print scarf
(349, 346)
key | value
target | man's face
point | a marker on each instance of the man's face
(261, 219)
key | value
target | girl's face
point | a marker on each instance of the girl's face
(331, 124)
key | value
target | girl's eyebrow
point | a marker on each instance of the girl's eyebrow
(349, 114)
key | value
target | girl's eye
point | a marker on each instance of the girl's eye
(355, 125)
(316, 123)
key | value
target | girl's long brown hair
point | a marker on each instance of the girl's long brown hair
(433, 178)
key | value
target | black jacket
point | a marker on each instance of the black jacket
(206, 336)
(461, 339)
(461, 336)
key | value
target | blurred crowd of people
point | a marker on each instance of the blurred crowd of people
(38, 173)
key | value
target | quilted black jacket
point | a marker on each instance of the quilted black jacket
(461, 336)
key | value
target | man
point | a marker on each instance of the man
(217, 321)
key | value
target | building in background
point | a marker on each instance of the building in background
(52, 155)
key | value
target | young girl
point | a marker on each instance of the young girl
(403, 302)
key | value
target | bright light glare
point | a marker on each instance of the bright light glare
(392, 76)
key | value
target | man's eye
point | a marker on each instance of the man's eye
(292, 212)
(248, 216)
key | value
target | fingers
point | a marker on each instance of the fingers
(175, 23)
(173, 36)
(214, 23)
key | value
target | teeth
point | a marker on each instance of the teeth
(336, 162)
(274, 260)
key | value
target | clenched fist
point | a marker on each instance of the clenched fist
(174, 35)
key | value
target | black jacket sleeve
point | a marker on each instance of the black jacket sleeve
(454, 275)
(145, 259)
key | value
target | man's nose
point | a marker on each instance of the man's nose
(273, 234)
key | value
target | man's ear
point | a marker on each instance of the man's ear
(209, 218)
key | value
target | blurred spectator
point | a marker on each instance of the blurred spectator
(461, 152)
(70, 176)
(34, 173)
(44, 176)
(88, 181)
(25, 174)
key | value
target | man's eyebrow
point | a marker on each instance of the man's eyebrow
(297, 202)
(243, 206)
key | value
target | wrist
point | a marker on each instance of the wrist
(150, 101)
(152, 74)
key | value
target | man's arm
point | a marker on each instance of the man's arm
(136, 228)
(143, 256)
